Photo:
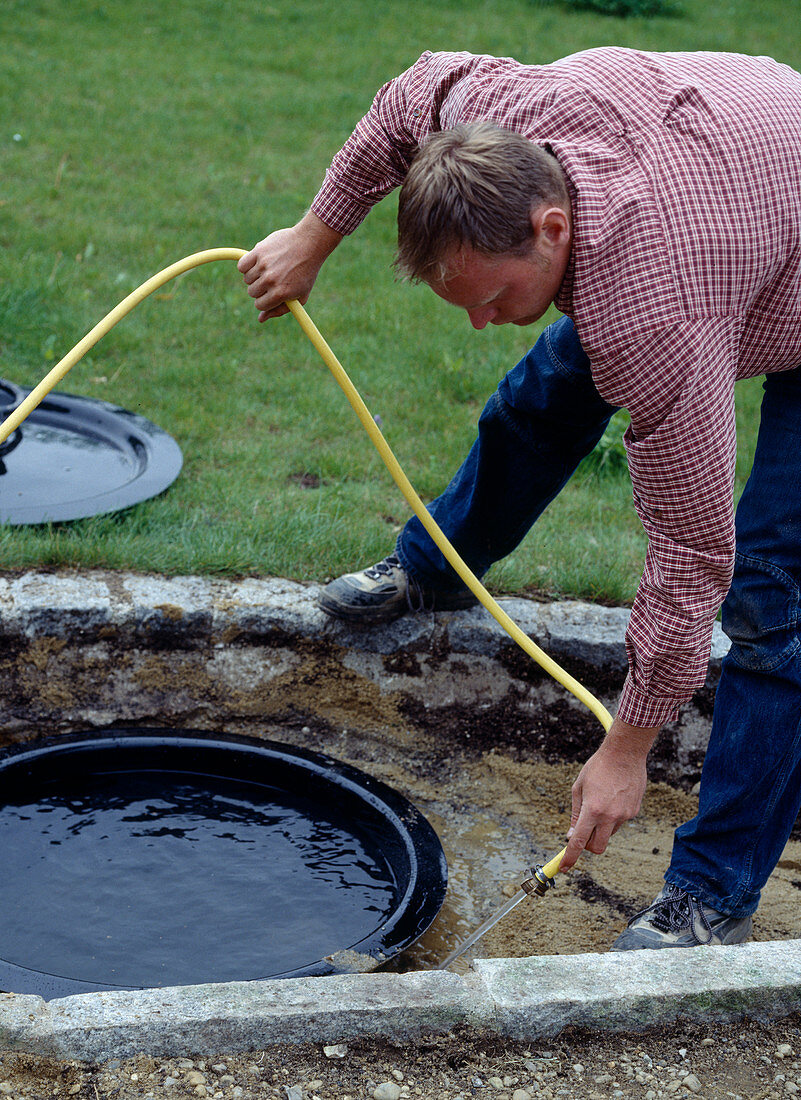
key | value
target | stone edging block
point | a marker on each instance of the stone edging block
(516, 998)
(633, 990)
(65, 604)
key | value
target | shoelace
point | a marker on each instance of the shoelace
(675, 913)
(382, 568)
(416, 596)
(415, 593)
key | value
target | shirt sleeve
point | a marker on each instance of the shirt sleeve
(376, 157)
(681, 448)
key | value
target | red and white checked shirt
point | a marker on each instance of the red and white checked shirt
(685, 275)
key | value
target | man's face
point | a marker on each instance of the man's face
(499, 290)
(510, 289)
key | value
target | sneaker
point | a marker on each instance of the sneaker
(386, 591)
(677, 919)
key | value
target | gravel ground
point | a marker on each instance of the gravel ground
(741, 1061)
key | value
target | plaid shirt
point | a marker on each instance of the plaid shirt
(685, 275)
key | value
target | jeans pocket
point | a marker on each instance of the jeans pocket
(760, 615)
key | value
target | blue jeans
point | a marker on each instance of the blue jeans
(751, 779)
(544, 418)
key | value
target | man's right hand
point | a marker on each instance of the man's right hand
(286, 264)
(609, 789)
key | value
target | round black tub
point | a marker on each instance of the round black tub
(137, 858)
(74, 457)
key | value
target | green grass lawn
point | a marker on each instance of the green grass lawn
(135, 133)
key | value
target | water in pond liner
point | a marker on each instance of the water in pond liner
(144, 858)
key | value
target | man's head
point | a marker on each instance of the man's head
(480, 199)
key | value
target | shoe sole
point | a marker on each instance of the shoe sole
(366, 615)
(655, 944)
(388, 612)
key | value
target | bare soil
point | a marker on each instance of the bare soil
(497, 813)
(743, 1061)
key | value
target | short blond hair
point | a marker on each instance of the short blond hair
(474, 185)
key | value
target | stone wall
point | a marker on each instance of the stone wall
(82, 650)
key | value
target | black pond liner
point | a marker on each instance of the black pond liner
(74, 457)
(139, 858)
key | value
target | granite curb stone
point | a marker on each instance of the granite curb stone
(634, 990)
(524, 999)
(59, 604)
(240, 1016)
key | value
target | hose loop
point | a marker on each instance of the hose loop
(13, 421)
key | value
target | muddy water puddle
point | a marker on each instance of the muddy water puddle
(495, 814)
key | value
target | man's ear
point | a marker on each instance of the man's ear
(552, 231)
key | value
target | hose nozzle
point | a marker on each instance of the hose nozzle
(538, 882)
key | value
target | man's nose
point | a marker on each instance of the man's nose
(482, 316)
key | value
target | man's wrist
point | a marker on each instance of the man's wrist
(631, 740)
(320, 239)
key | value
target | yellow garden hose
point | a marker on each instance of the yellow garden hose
(433, 528)
(53, 377)
(368, 423)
